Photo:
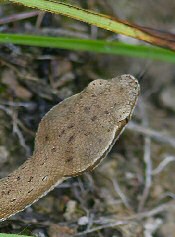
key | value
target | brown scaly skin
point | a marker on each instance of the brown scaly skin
(73, 137)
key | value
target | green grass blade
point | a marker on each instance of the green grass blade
(90, 17)
(12, 235)
(96, 46)
(100, 20)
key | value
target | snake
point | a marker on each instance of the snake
(72, 138)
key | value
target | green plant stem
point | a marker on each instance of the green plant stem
(96, 46)
(12, 235)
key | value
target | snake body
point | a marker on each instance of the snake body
(73, 137)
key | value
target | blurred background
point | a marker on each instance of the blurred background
(132, 192)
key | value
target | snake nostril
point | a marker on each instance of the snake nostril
(45, 178)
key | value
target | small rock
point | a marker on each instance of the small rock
(70, 210)
(83, 220)
(151, 226)
(39, 233)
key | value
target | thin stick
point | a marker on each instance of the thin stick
(121, 194)
(17, 17)
(148, 173)
(147, 160)
(127, 220)
(117, 223)
(151, 133)
(163, 164)
(16, 130)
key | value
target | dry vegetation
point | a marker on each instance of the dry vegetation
(132, 192)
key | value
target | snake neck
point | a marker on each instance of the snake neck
(32, 180)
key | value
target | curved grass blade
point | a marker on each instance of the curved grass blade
(103, 21)
(95, 46)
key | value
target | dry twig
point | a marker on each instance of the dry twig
(148, 163)
(16, 129)
(151, 133)
(163, 164)
(121, 194)
(126, 220)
